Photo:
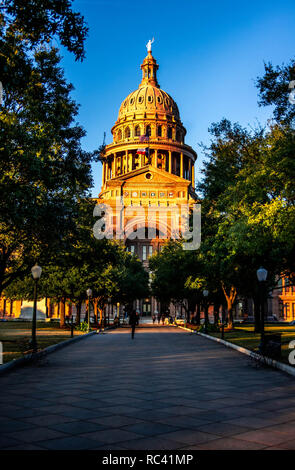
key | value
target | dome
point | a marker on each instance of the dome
(151, 99)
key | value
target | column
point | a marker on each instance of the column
(190, 169)
(130, 157)
(113, 166)
(181, 164)
(170, 161)
(126, 160)
(156, 158)
(103, 173)
(193, 176)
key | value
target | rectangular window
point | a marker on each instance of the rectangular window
(132, 249)
(150, 250)
(293, 311)
(280, 284)
(144, 253)
(287, 287)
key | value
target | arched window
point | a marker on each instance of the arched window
(159, 131)
(119, 135)
(127, 133)
(137, 131)
(169, 132)
(148, 130)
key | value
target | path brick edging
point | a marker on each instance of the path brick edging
(50, 349)
(266, 360)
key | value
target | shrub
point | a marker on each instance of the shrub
(82, 327)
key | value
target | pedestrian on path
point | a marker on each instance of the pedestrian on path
(133, 322)
(159, 318)
(154, 318)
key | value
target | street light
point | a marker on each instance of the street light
(261, 276)
(205, 294)
(36, 273)
(89, 294)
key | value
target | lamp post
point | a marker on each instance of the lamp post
(205, 294)
(89, 294)
(261, 276)
(36, 273)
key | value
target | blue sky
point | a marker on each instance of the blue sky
(209, 55)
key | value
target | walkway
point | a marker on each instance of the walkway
(167, 389)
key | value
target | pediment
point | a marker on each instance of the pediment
(149, 174)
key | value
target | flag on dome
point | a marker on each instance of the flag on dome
(142, 151)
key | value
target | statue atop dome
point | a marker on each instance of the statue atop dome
(149, 45)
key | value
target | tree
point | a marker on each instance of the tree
(42, 167)
(39, 21)
(274, 90)
(177, 276)
(85, 262)
(248, 210)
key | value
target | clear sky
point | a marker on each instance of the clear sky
(209, 54)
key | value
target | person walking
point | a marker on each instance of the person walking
(133, 322)
(154, 318)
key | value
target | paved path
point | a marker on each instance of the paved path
(167, 389)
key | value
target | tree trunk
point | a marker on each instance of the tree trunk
(206, 314)
(230, 298)
(62, 312)
(87, 311)
(78, 312)
(223, 313)
(100, 310)
(216, 313)
(198, 316)
(95, 304)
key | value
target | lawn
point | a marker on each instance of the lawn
(15, 337)
(244, 336)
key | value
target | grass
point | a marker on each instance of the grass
(244, 336)
(15, 337)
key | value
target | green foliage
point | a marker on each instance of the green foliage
(39, 21)
(44, 172)
(82, 326)
(85, 262)
(177, 275)
(211, 328)
(274, 90)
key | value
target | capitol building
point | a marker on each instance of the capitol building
(149, 167)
